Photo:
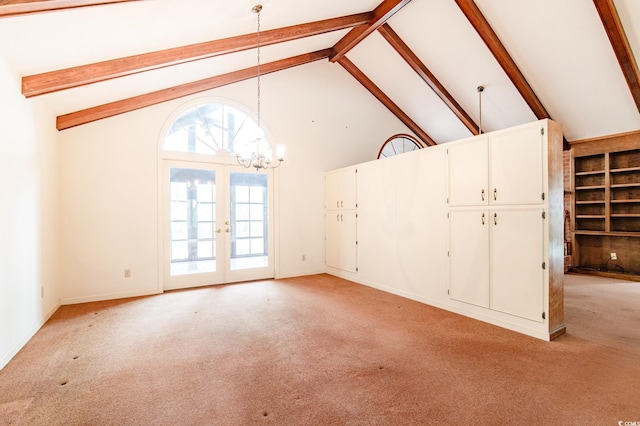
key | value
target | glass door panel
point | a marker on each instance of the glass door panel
(192, 243)
(217, 225)
(250, 212)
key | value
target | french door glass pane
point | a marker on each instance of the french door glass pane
(192, 221)
(249, 221)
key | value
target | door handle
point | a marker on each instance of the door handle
(482, 194)
(495, 194)
(495, 218)
(483, 218)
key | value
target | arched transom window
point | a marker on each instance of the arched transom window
(215, 127)
(398, 144)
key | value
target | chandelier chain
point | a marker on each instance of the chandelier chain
(258, 53)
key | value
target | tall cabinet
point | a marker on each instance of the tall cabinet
(341, 216)
(498, 212)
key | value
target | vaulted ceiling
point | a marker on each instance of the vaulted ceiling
(569, 60)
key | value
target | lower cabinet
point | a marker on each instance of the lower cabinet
(341, 240)
(469, 256)
(496, 259)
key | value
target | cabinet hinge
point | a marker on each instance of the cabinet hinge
(544, 315)
(544, 265)
(543, 196)
(542, 131)
(544, 215)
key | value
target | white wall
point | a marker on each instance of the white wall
(28, 215)
(109, 206)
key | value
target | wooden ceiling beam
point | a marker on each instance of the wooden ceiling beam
(490, 38)
(68, 78)
(427, 76)
(621, 47)
(131, 104)
(23, 7)
(386, 101)
(381, 14)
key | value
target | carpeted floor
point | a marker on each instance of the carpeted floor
(319, 350)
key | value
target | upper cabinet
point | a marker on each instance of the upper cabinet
(340, 189)
(468, 172)
(505, 168)
(516, 165)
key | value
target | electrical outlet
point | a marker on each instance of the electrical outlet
(127, 273)
(614, 256)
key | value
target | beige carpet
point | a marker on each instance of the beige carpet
(323, 351)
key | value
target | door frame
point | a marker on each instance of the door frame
(214, 161)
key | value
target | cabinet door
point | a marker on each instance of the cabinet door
(516, 262)
(516, 166)
(341, 244)
(468, 172)
(340, 189)
(469, 256)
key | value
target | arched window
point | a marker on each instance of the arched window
(398, 144)
(215, 127)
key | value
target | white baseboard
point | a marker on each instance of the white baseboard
(5, 358)
(111, 296)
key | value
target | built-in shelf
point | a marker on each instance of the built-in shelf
(582, 188)
(606, 208)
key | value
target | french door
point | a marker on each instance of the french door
(217, 224)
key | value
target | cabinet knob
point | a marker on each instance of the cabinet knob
(482, 194)
(341, 203)
(338, 203)
(495, 218)
(483, 218)
(218, 231)
(495, 194)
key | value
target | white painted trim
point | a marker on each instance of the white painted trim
(4, 360)
(111, 296)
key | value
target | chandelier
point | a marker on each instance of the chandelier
(254, 158)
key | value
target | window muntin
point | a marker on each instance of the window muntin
(215, 127)
(398, 144)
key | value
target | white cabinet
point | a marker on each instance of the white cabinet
(340, 189)
(469, 256)
(517, 256)
(498, 169)
(497, 237)
(341, 218)
(341, 240)
(516, 166)
(468, 172)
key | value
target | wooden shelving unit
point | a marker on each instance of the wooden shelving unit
(606, 206)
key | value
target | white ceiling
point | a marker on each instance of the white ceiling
(559, 45)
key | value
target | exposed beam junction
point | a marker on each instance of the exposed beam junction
(381, 14)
